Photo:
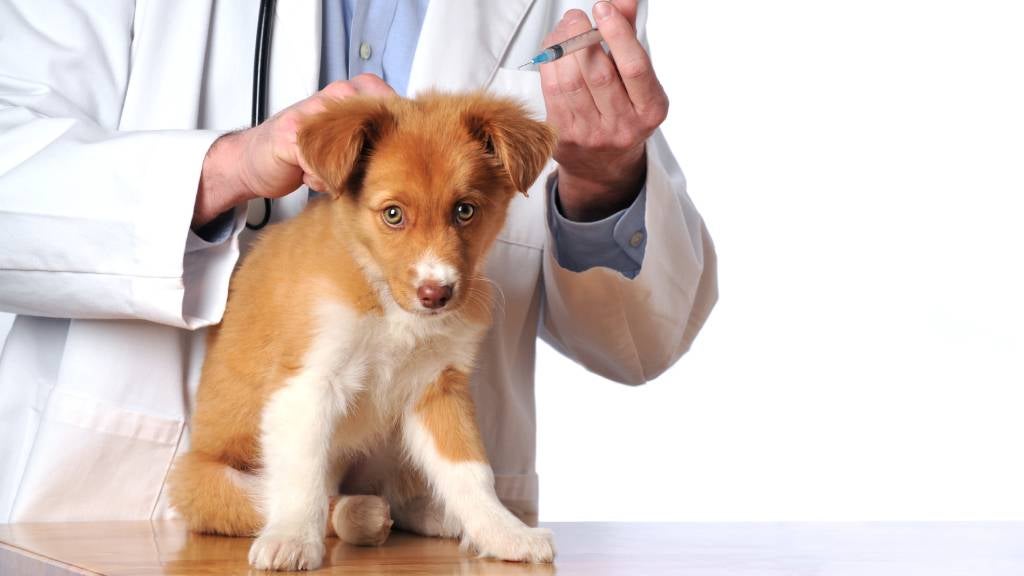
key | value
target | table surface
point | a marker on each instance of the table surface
(734, 549)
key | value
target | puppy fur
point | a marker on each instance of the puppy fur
(333, 344)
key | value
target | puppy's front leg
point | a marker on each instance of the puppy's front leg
(441, 436)
(295, 441)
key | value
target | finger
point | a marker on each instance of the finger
(571, 82)
(606, 88)
(631, 60)
(558, 34)
(313, 181)
(554, 101)
(338, 89)
(372, 85)
(558, 113)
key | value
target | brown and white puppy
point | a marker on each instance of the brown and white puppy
(355, 325)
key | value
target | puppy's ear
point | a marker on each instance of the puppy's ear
(521, 145)
(336, 144)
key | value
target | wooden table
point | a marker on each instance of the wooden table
(743, 549)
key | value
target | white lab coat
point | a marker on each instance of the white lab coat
(106, 112)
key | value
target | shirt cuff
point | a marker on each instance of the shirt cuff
(212, 233)
(617, 242)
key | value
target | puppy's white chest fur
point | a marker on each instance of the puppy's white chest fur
(372, 366)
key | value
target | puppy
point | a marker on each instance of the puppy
(354, 327)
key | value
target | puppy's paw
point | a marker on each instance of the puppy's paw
(280, 551)
(362, 520)
(515, 543)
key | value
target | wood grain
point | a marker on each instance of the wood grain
(17, 561)
(593, 549)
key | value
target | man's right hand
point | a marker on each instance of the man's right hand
(264, 161)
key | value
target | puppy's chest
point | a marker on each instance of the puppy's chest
(387, 361)
(401, 363)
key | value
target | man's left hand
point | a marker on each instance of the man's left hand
(604, 108)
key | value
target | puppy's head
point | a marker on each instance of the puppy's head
(424, 185)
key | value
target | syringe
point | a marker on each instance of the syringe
(574, 44)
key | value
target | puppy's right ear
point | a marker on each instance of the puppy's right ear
(335, 145)
(521, 144)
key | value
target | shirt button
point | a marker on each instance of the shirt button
(636, 239)
(365, 51)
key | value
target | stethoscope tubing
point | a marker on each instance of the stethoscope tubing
(260, 72)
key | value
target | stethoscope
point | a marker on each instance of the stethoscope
(260, 68)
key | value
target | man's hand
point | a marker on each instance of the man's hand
(264, 161)
(604, 109)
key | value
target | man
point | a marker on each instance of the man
(113, 157)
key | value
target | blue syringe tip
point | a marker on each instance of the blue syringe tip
(545, 56)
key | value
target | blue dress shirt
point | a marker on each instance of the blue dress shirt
(381, 39)
(381, 34)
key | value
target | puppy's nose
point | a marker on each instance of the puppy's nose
(433, 295)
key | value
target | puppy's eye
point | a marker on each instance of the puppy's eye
(464, 212)
(393, 216)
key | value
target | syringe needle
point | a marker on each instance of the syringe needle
(566, 47)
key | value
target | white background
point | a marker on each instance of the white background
(860, 168)
(859, 165)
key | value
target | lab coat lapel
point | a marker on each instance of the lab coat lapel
(462, 43)
(294, 53)
(165, 87)
(294, 74)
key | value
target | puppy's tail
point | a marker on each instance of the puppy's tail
(214, 497)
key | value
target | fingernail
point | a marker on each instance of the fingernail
(602, 10)
(574, 16)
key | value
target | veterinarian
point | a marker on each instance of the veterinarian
(123, 208)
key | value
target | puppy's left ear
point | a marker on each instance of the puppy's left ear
(337, 144)
(521, 144)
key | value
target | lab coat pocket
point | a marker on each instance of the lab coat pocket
(95, 461)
